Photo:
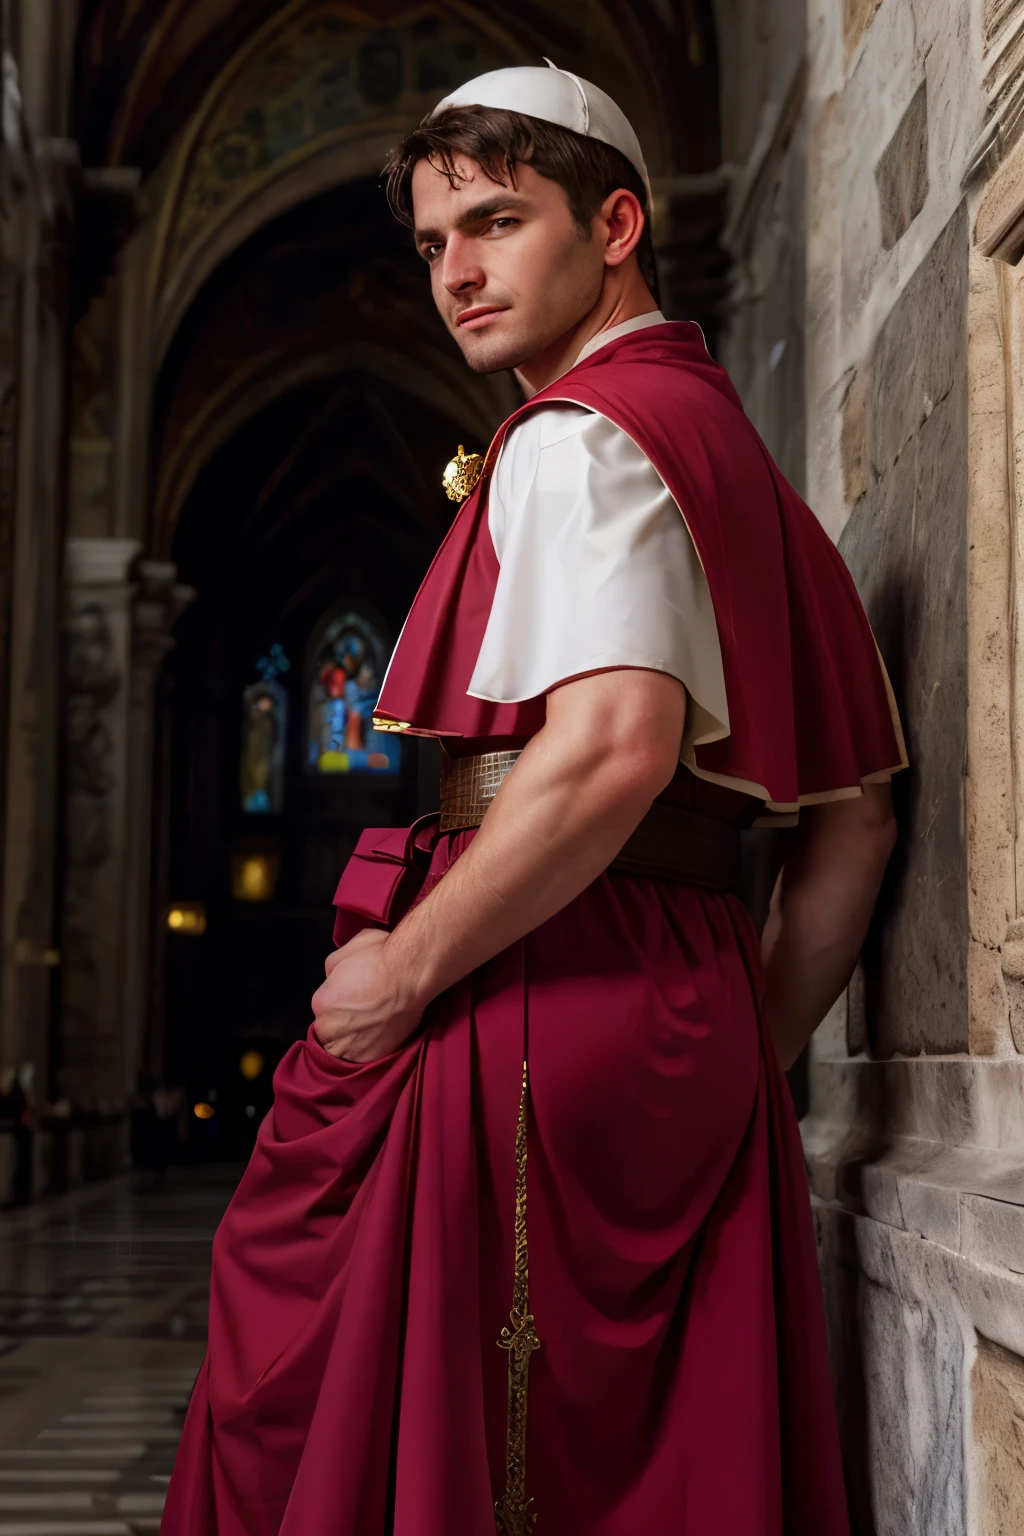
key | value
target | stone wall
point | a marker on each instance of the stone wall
(911, 410)
(764, 146)
(905, 428)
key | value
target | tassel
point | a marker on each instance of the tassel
(514, 1512)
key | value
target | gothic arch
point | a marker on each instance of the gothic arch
(434, 381)
(179, 102)
(316, 98)
(308, 100)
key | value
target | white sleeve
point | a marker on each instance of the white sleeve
(598, 570)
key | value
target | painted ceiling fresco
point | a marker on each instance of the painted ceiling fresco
(144, 66)
(316, 74)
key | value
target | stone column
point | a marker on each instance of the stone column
(98, 665)
(119, 614)
(12, 215)
(159, 603)
(35, 257)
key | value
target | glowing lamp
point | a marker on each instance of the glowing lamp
(250, 1065)
(254, 876)
(203, 1111)
(187, 917)
(255, 879)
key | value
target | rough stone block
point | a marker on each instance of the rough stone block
(954, 1126)
(931, 1210)
(920, 354)
(905, 543)
(997, 1435)
(993, 1232)
(897, 1350)
(901, 174)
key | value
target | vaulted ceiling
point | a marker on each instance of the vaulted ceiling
(143, 66)
(264, 259)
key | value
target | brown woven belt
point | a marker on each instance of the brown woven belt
(671, 843)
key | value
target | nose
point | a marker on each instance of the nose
(461, 271)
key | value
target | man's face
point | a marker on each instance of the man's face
(509, 269)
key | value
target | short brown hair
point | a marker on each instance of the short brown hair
(587, 170)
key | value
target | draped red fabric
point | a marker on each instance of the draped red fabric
(809, 705)
(353, 1384)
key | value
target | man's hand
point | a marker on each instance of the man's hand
(360, 1013)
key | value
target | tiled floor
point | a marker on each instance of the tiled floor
(102, 1330)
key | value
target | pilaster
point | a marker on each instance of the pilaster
(159, 603)
(31, 459)
(119, 614)
(98, 661)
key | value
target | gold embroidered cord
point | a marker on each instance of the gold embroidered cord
(514, 1512)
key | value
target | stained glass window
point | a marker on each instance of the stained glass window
(348, 667)
(264, 736)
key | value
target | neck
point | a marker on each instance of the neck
(625, 302)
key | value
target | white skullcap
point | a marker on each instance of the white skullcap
(555, 96)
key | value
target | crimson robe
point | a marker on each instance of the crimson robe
(353, 1385)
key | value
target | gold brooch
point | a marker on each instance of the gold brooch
(461, 474)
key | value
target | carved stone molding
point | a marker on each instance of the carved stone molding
(999, 226)
(159, 603)
(1003, 84)
(99, 564)
(120, 612)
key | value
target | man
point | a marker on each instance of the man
(634, 640)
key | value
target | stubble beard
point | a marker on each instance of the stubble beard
(496, 355)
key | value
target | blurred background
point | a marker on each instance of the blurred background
(225, 406)
(243, 401)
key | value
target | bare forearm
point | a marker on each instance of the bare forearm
(819, 918)
(810, 957)
(558, 820)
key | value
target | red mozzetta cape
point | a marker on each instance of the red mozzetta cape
(811, 714)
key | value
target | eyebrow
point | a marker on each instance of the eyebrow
(476, 215)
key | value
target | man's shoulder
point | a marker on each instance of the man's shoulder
(548, 422)
(544, 427)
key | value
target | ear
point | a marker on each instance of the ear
(623, 221)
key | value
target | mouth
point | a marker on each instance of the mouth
(475, 319)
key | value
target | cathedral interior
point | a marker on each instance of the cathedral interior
(258, 401)
(226, 401)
